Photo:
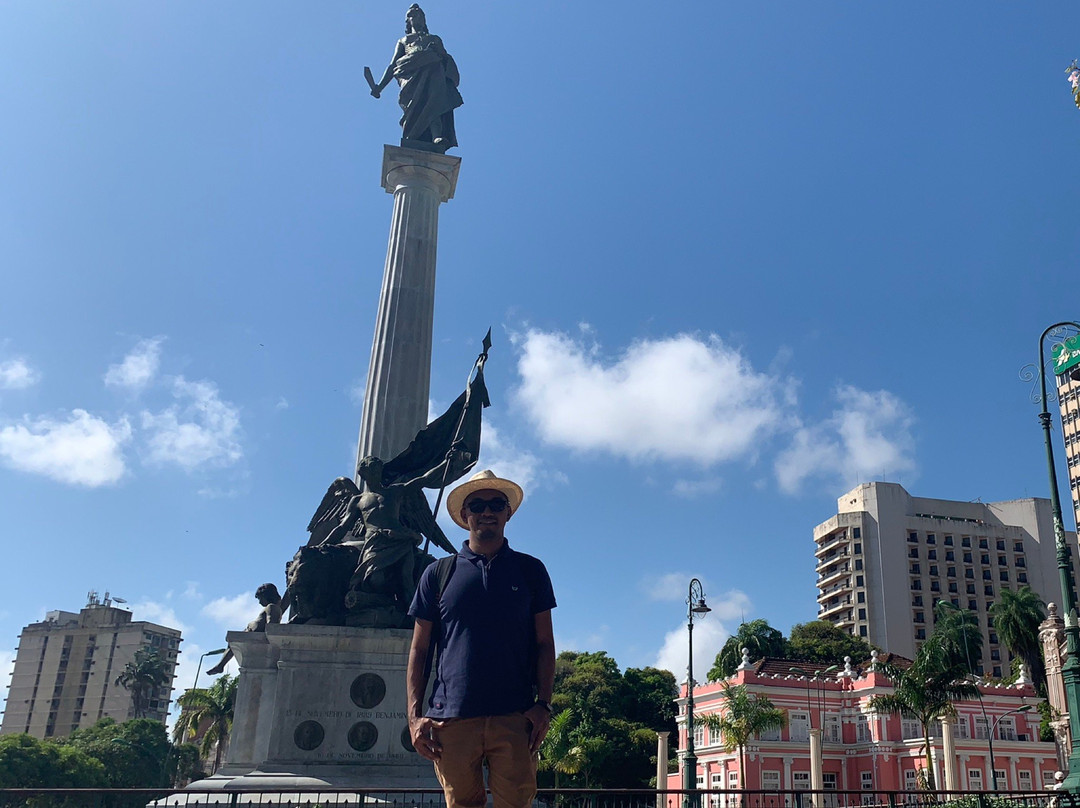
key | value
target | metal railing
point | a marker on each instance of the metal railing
(546, 798)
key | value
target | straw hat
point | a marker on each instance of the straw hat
(482, 481)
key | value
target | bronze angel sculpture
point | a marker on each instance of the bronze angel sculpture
(363, 558)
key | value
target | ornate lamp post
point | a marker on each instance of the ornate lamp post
(695, 603)
(1070, 671)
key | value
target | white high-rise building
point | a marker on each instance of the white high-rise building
(66, 668)
(887, 557)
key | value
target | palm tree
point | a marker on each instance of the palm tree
(1016, 617)
(145, 673)
(926, 690)
(758, 637)
(742, 715)
(960, 636)
(560, 751)
(210, 710)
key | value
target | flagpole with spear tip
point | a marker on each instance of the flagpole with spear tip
(478, 366)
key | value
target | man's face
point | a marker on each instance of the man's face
(487, 524)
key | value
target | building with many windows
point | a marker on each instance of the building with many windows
(863, 750)
(66, 668)
(887, 557)
(1069, 399)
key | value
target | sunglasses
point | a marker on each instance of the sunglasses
(478, 506)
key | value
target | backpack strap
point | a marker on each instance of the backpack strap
(444, 570)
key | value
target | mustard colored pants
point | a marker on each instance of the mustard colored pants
(503, 740)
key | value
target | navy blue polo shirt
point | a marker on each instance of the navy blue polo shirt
(486, 632)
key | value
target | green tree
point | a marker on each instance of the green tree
(142, 676)
(926, 690)
(26, 762)
(562, 751)
(209, 710)
(820, 642)
(957, 632)
(608, 720)
(134, 753)
(1016, 617)
(742, 716)
(761, 639)
(184, 765)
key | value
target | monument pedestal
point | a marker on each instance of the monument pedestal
(321, 705)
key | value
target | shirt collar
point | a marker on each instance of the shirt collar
(467, 552)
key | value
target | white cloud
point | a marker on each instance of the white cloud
(282, 403)
(83, 450)
(233, 613)
(16, 374)
(677, 398)
(868, 434)
(7, 665)
(691, 489)
(138, 368)
(671, 586)
(160, 613)
(202, 429)
(358, 389)
(507, 461)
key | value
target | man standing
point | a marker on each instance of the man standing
(489, 616)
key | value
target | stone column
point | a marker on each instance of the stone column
(952, 781)
(817, 780)
(399, 374)
(661, 768)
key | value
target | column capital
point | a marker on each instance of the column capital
(403, 167)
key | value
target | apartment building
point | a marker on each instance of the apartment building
(887, 557)
(66, 668)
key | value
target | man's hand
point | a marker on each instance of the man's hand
(540, 720)
(423, 732)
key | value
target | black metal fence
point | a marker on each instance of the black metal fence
(546, 798)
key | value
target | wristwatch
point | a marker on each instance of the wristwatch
(544, 704)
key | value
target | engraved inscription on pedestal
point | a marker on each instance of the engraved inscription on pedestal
(309, 735)
(363, 735)
(367, 690)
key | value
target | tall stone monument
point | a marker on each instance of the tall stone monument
(322, 698)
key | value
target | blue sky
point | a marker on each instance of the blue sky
(737, 258)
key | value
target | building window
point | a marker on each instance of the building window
(1018, 561)
(1018, 547)
(699, 735)
(862, 729)
(913, 537)
(975, 779)
(981, 733)
(828, 780)
(860, 597)
(916, 585)
(1023, 780)
(858, 548)
(950, 572)
(967, 558)
(732, 779)
(995, 655)
(1002, 561)
(858, 580)
(965, 541)
(1021, 577)
(984, 558)
(969, 573)
(919, 617)
(984, 544)
(952, 586)
(988, 590)
(1001, 544)
(916, 600)
(770, 735)
(1000, 775)
(862, 614)
(800, 781)
(931, 538)
(866, 780)
(963, 730)
(948, 541)
(856, 533)
(935, 586)
(913, 552)
(1007, 728)
(916, 569)
(972, 605)
(798, 726)
(986, 575)
(1004, 575)
(933, 569)
(920, 634)
(971, 589)
(770, 781)
(862, 631)
(911, 780)
(858, 563)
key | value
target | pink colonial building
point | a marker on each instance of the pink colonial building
(862, 750)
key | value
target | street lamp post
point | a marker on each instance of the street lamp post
(198, 668)
(993, 732)
(695, 603)
(1070, 671)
